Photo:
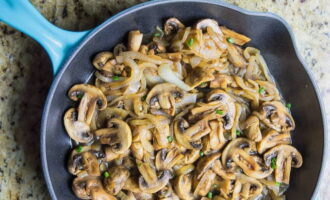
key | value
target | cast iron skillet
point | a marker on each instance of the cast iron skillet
(269, 33)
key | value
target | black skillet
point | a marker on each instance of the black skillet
(73, 51)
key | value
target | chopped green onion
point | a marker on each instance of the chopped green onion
(157, 34)
(238, 133)
(278, 184)
(219, 112)
(79, 96)
(209, 195)
(190, 42)
(201, 153)
(288, 105)
(79, 148)
(106, 174)
(115, 78)
(273, 163)
(230, 40)
(169, 138)
(261, 90)
(203, 84)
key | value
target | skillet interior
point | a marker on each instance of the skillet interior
(268, 34)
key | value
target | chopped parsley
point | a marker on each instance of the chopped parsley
(201, 153)
(106, 174)
(115, 78)
(261, 90)
(273, 163)
(190, 42)
(169, 138)
(289, 105)
(209, 195)
(79, 148)
(230, 40)
(219, 112)
(238, 133)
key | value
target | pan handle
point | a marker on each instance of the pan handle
(59, 43)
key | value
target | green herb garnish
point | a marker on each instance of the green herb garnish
(238, 133)
(115, 78)
(169, 138)
(201, 153)
(203, 84)
(106, 174)
(278, 184)
(230, 40)
(219, 112)
(79, 148)
(157, 34)
(261, 90)
(79, 96)
(288, 105)
(190, 42)
(273, 163)
(209, 195)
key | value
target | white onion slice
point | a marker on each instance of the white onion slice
(165, 72)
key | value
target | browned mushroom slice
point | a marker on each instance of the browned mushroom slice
(182, 186)
(203, 185)
(239, 39)
(149, 182)
(252, 129)
(251, 165)
(134, 40)
(246, 187)
(239, 143)
(167, 193)
(220, 171)
(179, 127)
(118, 135)
(199, 129)
(227, 101)
(286, 156)
(117, 179)
(166, 159)
(90, 98)
(190, 156)
(132, 185)
(104, 61)
(164, 96)
(79, 131)
(216, 137)
(275, 115)
(222, 81)
(85, 162)
(198, 76)
(88, 187)
(235, 56)
(205, 164)
(172, 25)
(105, 115)
(213, 29)
(273, 138)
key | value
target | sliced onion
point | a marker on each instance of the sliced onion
(132, 88)
(186, 100)
(165, 72)
(152, 77)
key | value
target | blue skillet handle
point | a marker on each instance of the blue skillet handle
(21, 15)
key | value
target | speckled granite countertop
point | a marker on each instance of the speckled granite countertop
(25, 75)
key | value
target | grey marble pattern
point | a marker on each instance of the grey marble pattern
(25, 76)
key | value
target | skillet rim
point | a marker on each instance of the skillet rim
(140, 6)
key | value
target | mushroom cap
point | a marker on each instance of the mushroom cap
(178, 129)
(117, 179)
(205, 164)
(105, 115)
(166, 159)
(172, 25)
(98, 193)
(203, 184)
(83, 162)
(77, 130)
(83, 186)
(101, 59)
(225, 99)
(93, 93)
(252, 129)
(204, 23)
(134, 40)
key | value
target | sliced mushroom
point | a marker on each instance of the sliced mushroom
(104, 61)
(88, 187)
(77, 130)
(105, 115)
(205, 164)
(167, 193)
(204, 23)
(134, 40)
(149, 182)
(221, 171)
(273, 138)
(84, 162)
(182, 186)
(252, 129)
(246, 187)
(164, 96)
(216, 137)
(179, 127)
(235, 56)
(276, 116)
(190, 156)
(222, 81)
(203, 185)
(199, 75)
(117, 179)
(91, 98)
(286, 157)
(172, 25)
(132, 185)
(118, 136)
(229, 106)
(166, 159)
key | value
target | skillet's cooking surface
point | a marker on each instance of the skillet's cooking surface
(268, 34)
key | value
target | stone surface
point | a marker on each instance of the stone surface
(25, 76)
